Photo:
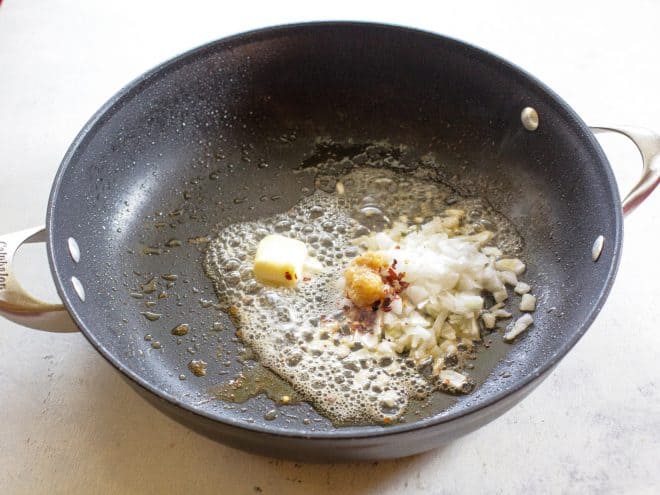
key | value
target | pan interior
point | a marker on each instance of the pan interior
(216, 135)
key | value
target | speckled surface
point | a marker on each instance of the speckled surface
(72, 425)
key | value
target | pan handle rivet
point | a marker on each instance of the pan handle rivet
(529, 118)
(597, 248)
(74, 249)
(78, 287)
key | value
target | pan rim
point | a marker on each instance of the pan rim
(369, 434)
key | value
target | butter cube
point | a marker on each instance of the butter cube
(280, 260)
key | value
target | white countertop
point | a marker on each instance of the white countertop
(70, 424)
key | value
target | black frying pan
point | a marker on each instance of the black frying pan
(155, 161)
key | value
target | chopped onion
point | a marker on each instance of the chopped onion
(447, 276)
(439, 322)
(528, 303)
(467, 304)
(509, 278)
(417, 294)
(448, 332)
(521, 288)
(491, 251)
(501, 313)
(500, 296)
(511, 264)
(455, 382)
(518, 327)
(489, 320)
(397, 306)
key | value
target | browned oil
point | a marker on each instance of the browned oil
(150, 286)
(197, 367)
(253, 380)
(181, 329)
(151, 316)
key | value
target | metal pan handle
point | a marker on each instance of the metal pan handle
(16, 304)
(648, 144)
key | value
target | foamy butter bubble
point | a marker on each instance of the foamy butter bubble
(294, 331)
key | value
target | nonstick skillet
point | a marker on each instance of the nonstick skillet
(217, 135)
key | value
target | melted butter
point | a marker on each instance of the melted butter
(253, 380)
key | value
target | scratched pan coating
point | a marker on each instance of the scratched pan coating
(181, 151)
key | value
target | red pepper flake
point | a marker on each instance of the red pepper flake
(386, 304)
(288, 276)
(394, 279)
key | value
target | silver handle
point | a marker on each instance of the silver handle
(648, 144)
(18, 305)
